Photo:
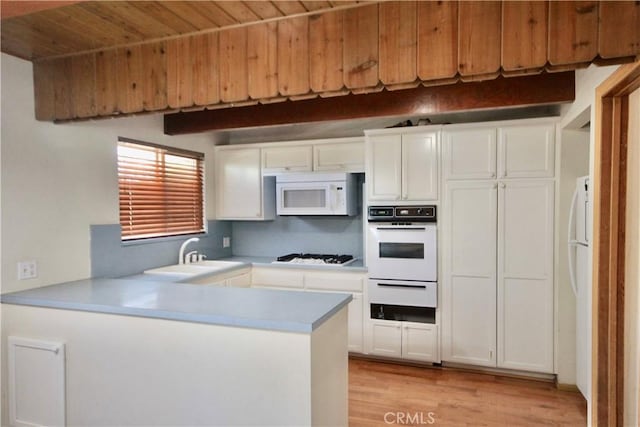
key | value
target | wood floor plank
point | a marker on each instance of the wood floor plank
(455, 398)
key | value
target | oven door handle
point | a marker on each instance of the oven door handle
(401, 228)
(388, 285)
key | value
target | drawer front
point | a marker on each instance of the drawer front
(277, 278)
(334, 282)
(401, 292)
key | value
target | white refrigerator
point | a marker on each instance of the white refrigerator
(579, 242)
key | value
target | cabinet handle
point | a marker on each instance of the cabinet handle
(495, 186)
(503, 185)
(493, 175)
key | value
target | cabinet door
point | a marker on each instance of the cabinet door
(386, 338)
(526, 151)
(469, 153)
(344, 157)
(384, 163)
(240, 281)
(469, 282)
(286, 159)
(525, 275)
(355, 323)
(238, 184)
(420, 342)
(420, 167)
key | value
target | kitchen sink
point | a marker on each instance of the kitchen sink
(216, 264)
(196, 268)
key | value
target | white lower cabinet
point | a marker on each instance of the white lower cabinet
(386, 338)
(235, 278)
(356, 312)
(497, 287)
(405, 340)
(420, 342)
(286, 278)
(239, 281)
(469, 263)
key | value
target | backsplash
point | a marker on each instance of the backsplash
(293, 234)
(110, 258)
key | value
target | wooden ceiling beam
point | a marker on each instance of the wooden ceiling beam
(542, 89)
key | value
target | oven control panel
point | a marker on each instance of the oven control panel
(425, 213)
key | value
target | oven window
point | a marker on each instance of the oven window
(312, 198)
(402, 250)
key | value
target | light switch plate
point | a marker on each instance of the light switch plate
(226, 242)
(27, 270)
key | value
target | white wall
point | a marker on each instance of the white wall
(574, 162)
(58, 179)
(586, 82)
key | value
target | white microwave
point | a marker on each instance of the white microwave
(316, 194)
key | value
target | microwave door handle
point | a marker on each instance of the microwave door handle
(333, 191)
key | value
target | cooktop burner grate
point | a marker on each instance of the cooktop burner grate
(316, 259)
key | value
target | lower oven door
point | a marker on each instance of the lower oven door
(402, 252)
(403, 292)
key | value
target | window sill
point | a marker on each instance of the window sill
(152, 240)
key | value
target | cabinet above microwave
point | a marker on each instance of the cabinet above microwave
(316, 194)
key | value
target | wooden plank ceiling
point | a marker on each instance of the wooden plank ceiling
(96, 59)
(63, 28)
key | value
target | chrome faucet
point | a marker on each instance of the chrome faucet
(183, 247)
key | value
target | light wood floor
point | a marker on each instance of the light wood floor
(455, 398)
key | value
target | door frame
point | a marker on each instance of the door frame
(611, 128)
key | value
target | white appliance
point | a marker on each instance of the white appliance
(579, 242)
(316, 194)
(402, 255)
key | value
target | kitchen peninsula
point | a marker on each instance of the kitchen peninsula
(153, 352)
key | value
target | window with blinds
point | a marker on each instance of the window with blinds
(161, 190)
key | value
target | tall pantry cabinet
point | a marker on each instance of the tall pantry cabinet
(497, 245)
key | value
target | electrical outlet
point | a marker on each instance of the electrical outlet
(226, 242)
(27, 270)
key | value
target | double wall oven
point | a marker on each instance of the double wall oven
(402, 261)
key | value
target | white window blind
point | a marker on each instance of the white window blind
(161, 190)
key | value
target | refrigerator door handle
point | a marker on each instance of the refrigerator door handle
(571, 243)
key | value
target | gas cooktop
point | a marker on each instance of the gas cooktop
(316, 259)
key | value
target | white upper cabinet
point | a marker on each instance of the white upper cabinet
(513, 151)
(287, 159)
(469, 153)
(402, 167)
(240, 192)
(335, 155)
(384, 163)
(526, 151)
(419, 167)
(343, 157)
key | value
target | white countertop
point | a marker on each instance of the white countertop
(290, 311)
